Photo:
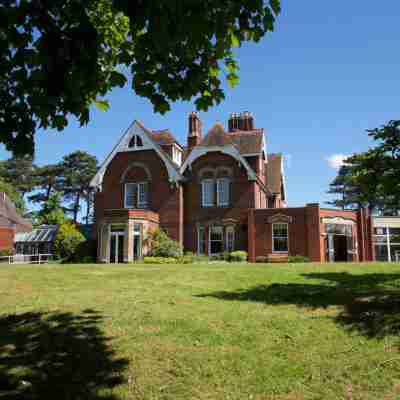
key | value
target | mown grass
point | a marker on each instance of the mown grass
(208, 331)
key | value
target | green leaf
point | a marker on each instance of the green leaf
(232, 79)
(102, 105)
(235, 41)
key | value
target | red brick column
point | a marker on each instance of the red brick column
(251, 237)
(313, 229)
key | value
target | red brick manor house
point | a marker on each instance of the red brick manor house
(220, 192)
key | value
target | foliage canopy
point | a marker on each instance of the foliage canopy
(57, 57)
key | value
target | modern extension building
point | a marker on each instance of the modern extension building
(387, 238)
(222, 191)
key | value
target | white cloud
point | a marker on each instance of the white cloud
(336, 160)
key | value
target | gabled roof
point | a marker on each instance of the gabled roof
(149, 143)
(247, 142)
(274, 172)
(9, 216)
(218, 140)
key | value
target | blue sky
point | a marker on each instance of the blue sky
(329, 72)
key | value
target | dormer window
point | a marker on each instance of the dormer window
(136, 141)
(176, 155)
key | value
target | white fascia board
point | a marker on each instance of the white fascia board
(123, 146)
(229, 150)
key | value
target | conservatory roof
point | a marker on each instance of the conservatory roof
(44, 233)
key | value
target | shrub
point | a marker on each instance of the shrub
(187, 259)
(86, 252)
(163, 246)
(200, 258)
(6, 252)
(262, 259)
(298, 259)
(238, 256)
(67, 241)
(160, 260)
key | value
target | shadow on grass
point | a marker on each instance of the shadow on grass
(370, 303)
(57, 356)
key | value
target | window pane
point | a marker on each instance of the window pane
(201, 241)
(381, 253)
(216, 233)
(142, 195)
(208, 192)
(380, 231)
(216, 240)
(280, 244)
(380, 239)
(230, 238)
(130, 192)
(280, 237)
(280, 230)
(223, 192)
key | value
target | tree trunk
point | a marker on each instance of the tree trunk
(88, 207)
(76, 206)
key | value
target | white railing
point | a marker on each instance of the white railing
(26, 259)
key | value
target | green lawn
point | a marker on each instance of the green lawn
(210, 331)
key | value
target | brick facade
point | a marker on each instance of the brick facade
(307, 231)
(175, 200)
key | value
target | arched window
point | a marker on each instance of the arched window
(135, 180)
(136, 141)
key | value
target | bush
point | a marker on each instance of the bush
(238, 256)
(6, 252)
(200, 258)
(298, 259)
(160, 260)
(163, 246)
(86, 252)
(67, 242)
(262, 259)
(187, 259)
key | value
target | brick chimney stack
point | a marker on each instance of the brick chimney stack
(241, 122)
(194, 134)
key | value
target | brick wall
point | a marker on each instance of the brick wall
(164, 198)
(6, 238)
(243, 197)
(306, 231)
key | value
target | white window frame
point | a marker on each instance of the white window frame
(203, 192)
(220, 185)
(209, 239)
(228, 230)
(139, 204)
(280, 237)
(134, 185)
(142, 202)
(201, 239)
(176, 155)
